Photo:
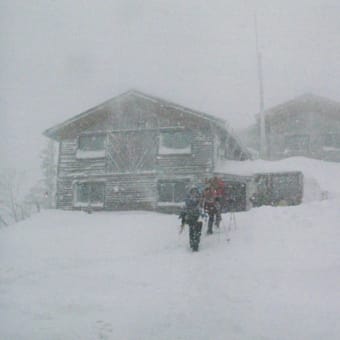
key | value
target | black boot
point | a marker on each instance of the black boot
(210, 224)
(196, 235)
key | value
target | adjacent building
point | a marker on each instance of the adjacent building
(308, 125)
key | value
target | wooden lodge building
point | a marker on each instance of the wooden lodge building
(137, 151)
(308, 125)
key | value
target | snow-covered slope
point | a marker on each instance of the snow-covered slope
(130, 275)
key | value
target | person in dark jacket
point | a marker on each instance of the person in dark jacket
(190, 215)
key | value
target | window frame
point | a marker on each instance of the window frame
(166, 150)
(295, 136)
(173, 182)
(91, 153)
(90, 135)
(331, 140)
(88, 203)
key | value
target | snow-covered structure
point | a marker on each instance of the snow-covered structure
(136, 151)
(308, 126)
(255, 183)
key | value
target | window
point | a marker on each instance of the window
(172, 191)
(175, 142)
(297, 142)
(332, 140)
(284, 185)
(89, 192)
(91, 142)
(91, 146)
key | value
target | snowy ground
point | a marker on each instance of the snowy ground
(130, 275)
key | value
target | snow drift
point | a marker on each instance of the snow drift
(130, 275)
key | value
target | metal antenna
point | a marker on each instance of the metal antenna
(263, 144)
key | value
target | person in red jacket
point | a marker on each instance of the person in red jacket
(220, 196)
(213, 200)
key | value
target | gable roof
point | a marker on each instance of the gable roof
(101, 109)
(304, 102)
(167, 103)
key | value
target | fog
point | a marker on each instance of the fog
(59, 58)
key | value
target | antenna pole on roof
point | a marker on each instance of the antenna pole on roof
(263, 144)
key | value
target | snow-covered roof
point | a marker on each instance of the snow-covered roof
(318, 103)
(181, 108)
(251, 167)
(326, 173)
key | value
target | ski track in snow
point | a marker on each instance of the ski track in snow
(130, 275)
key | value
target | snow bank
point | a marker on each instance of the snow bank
(130, 275)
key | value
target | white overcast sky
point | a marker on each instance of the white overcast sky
(59, 58)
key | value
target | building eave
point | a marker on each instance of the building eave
(280, 109)
(54, 131)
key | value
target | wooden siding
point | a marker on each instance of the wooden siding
(122, 191)
(131, 151)
(132, 164)
(64, 193)
(199, 161)
(133, 188)
(69, 165)
(131, 191)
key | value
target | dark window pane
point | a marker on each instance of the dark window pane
(283, 185)
(91, 143)
(328, 140)
(332, 140)
(94, 191)
(176, 140)
(165, 192)
(297, 142)
(172, 191)
(180, 191)
(97, 192)
(83, 190)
